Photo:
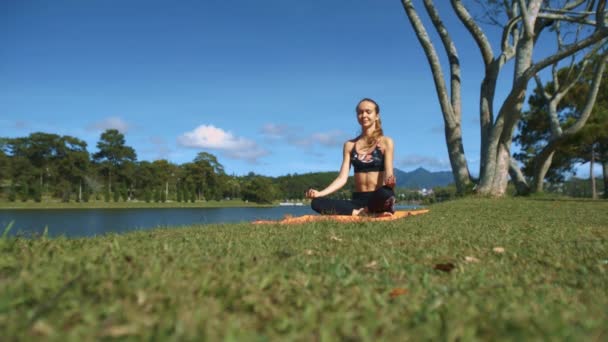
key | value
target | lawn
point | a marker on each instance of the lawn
(470, 269)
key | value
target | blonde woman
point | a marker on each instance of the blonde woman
(371, 155)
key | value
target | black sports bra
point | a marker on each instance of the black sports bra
(371, 162)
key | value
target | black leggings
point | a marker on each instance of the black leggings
(381, 200)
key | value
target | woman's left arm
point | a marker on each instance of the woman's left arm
(389, 152)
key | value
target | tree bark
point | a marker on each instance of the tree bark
(605, 175)
(450, 106)
(540, 171)
(591, 173)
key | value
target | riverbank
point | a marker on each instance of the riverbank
(516, 269)
(5, 205)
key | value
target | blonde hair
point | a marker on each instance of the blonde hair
(378, 132)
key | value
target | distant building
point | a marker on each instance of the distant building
(425, 192)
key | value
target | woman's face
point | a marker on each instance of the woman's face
(366, 114)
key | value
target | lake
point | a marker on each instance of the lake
(93, 222)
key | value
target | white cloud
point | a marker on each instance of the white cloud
(331, 138)
(275, 131)
(211, 137)
(113, 122)
(292, 136)
(427, 161)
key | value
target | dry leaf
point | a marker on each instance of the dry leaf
(41, 328)
(398, 291)
(120, 330)
(498, 250)
(471, 259)
(335, 238)
(447, 267)
(308, 252)
(141, 297)
(372, 264)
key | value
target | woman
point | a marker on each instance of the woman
(371, 154)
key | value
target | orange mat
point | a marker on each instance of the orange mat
(343, 218)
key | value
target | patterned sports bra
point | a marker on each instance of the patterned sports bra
(370, 162)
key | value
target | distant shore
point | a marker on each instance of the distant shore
(5, 205)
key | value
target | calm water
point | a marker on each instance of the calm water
(92, 222)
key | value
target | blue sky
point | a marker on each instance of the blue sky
(267, 86)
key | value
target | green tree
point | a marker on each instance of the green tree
(113, 153)
(561, 128)
(179, 194)
(166, 174)
(147, 195)
(12, 194)
(259, 190)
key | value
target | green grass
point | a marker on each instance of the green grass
(323, 281)
(54, 204)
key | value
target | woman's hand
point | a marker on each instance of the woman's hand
(390, 181)
(312, 193)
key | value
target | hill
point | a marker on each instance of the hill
(422, 178)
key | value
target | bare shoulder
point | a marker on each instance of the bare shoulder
(387, 141)
(348, 145)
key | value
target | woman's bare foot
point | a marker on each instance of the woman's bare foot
(359, 212)
(384, 214)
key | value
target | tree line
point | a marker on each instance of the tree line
(46, 166)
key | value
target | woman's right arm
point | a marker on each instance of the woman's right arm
(340, 181)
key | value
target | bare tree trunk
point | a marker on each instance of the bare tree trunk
(591, 173)
(518, 179)
(450, 102)
(605, 176)
(540, 171)
(458, 161)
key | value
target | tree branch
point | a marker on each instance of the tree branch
(572, 5)
(596, 37)
(452, 53)
(480, 38)
(431, 56)
(600, 14)
(527, 21)
(591, 97)
(508, 50)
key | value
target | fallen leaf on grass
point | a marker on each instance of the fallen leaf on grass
(335, 238)
(372, 264)
(447, 267)
(309, 252)
(498, 250)
(119, 331)
(471, 259)
(41, 328)
(398, 291)
(141, 297)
